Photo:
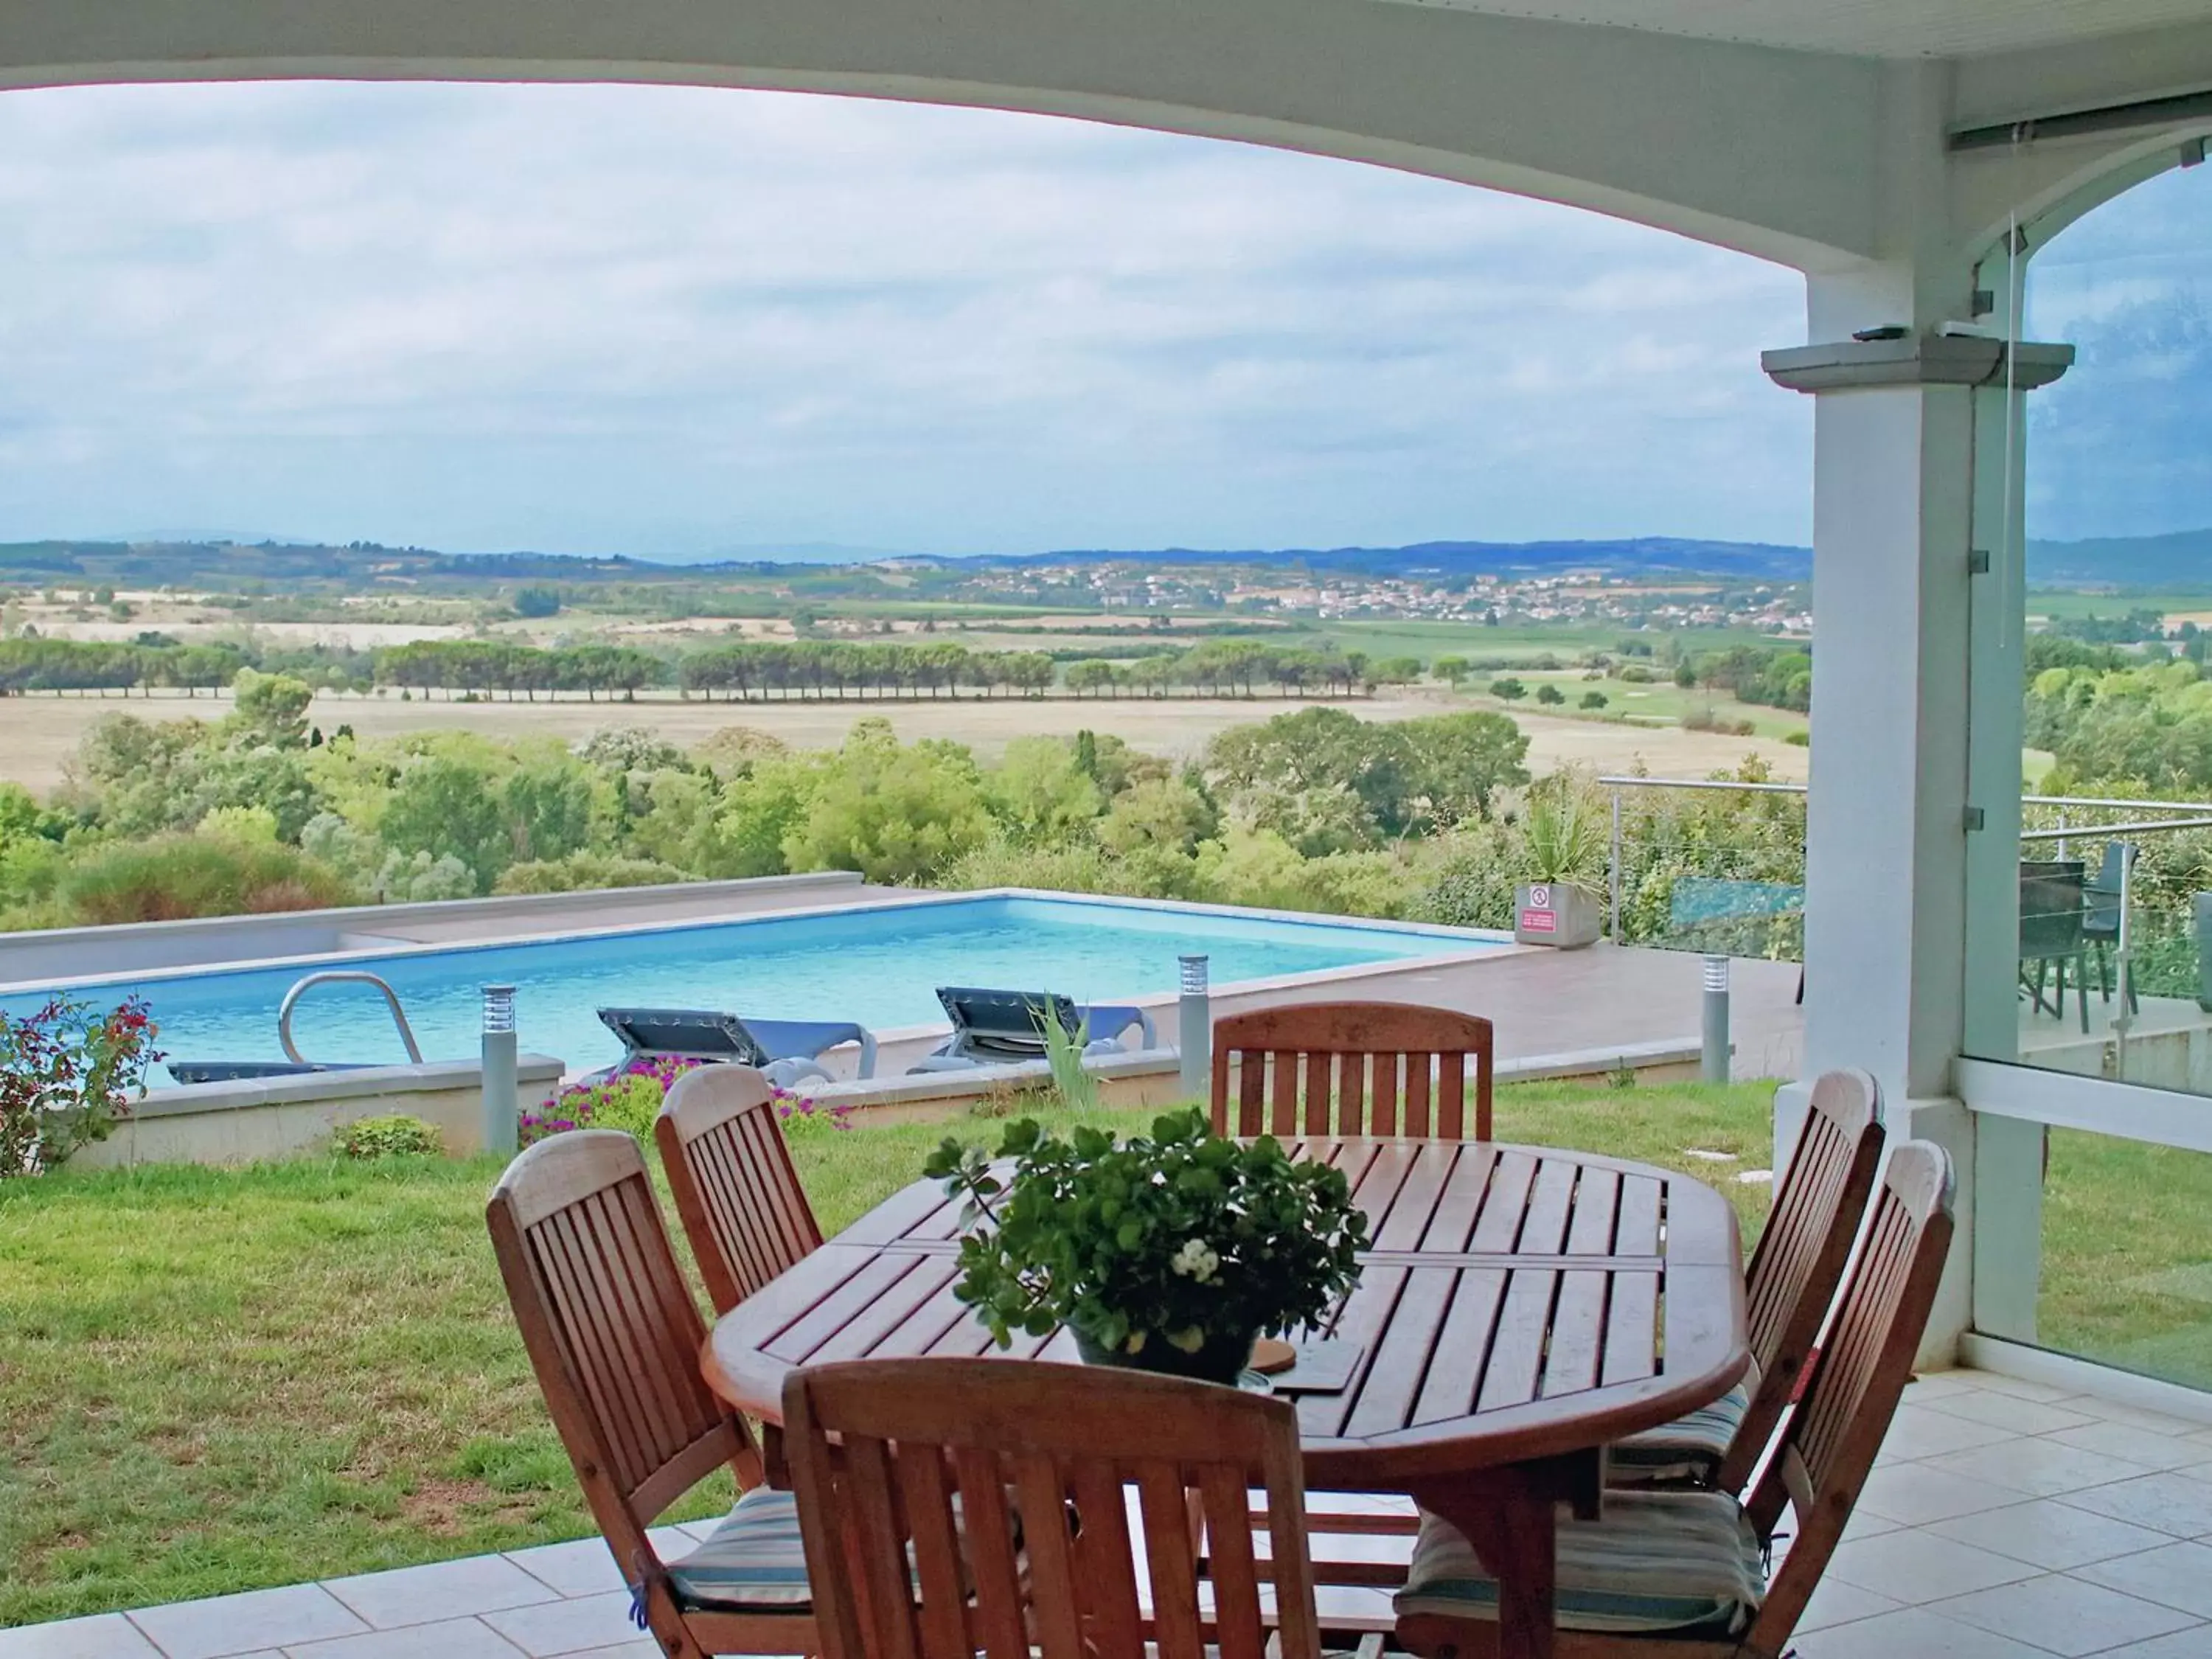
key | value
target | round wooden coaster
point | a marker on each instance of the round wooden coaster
(1271, 1356)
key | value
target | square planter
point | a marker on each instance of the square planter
(1556, 913)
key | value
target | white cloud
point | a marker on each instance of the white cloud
(656, 320)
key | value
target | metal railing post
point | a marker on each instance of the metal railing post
(1194, 1030)
(501, 1108)
(2122, 972)
(1612, 873)
(1715, 1052)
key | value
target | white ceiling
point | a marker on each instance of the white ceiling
(1873, 28)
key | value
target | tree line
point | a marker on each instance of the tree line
(752, 669)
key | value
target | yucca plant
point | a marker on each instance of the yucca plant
(1562, 834)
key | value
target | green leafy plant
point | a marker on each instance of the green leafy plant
(1063, 1054)
(1562, 834)
(395, 1134)
(1180, 1237)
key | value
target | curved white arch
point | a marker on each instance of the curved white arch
(1749, 148)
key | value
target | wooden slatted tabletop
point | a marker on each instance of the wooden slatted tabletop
(1520, 1308)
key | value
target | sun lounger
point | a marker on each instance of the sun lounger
(785, 1050)
(1005, 1027)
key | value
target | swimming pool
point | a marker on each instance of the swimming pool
(878, 965)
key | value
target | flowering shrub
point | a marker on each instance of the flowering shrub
(67, 1073)
(631, 1098)
(805, 1117)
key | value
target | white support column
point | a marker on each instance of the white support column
(1885, 861)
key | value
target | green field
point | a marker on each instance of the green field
(2059, 602)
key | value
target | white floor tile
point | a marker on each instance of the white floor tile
(1836, 1602)
(2195, 1643)
(1911, 1634)
(2141, 1416)
(2064, 1614)
(2177, 1504)
(2020, 1388)
(450, 1639)
(443, 1589)
(1917, 1493)
(2040, 1467)
(1917, 1431)
(2133, 1445)
(2049, 1534)
(2177, 1576)
(583, 1566)
(1937, 1385)
(570, 1626)
(2005, 1411)
(1914, 1567)
(103, 1635)
(227, 1625)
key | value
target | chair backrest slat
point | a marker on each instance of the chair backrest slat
(735, 1186)
(1059, 1457)
(611, 1331)
(1350, 1053)
(1832, 1433)
(1802, 1254)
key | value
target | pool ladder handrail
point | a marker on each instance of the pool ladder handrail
(344, 975)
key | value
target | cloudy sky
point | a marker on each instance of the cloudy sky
(678, 323)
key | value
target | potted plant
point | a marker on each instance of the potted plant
(1169, 1252)
(1563, 842)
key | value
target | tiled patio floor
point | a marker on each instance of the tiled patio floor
(2008, 1520)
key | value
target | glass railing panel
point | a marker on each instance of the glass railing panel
(2115, 906)
(2126, 1271)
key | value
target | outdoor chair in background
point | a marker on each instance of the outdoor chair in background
(1353, 1068)
(2101, 900)
(2052, 908)
(1006, 1028)
(730, 1174)
(952, 1506)
(1679, 1574)
(787, 1050)
(614, 1337)
(1788, 1289)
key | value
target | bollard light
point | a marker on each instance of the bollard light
(501, 1111)
(1715, 1054)
(1194, 1030)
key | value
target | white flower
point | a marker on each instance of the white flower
(1196, 1261)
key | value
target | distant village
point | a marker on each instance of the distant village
(1589, 596)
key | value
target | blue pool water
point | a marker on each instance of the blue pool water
(879, 967)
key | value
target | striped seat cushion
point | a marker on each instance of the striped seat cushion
(1660, 1562)
(753, 1561)
(1684, 1452)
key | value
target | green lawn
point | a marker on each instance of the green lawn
(216, 1379)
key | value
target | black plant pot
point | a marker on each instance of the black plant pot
(1217, 1359)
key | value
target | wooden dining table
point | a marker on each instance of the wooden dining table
(1519, 1308)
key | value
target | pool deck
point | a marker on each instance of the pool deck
(1544, 1004)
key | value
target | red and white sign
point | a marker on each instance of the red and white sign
(1539, 921)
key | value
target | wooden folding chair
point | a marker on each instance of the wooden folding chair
(1788, 1289)
(1351, 1068)
(736, 1190)
(614, 1337)
(952, 1507)
(1679, 1575)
